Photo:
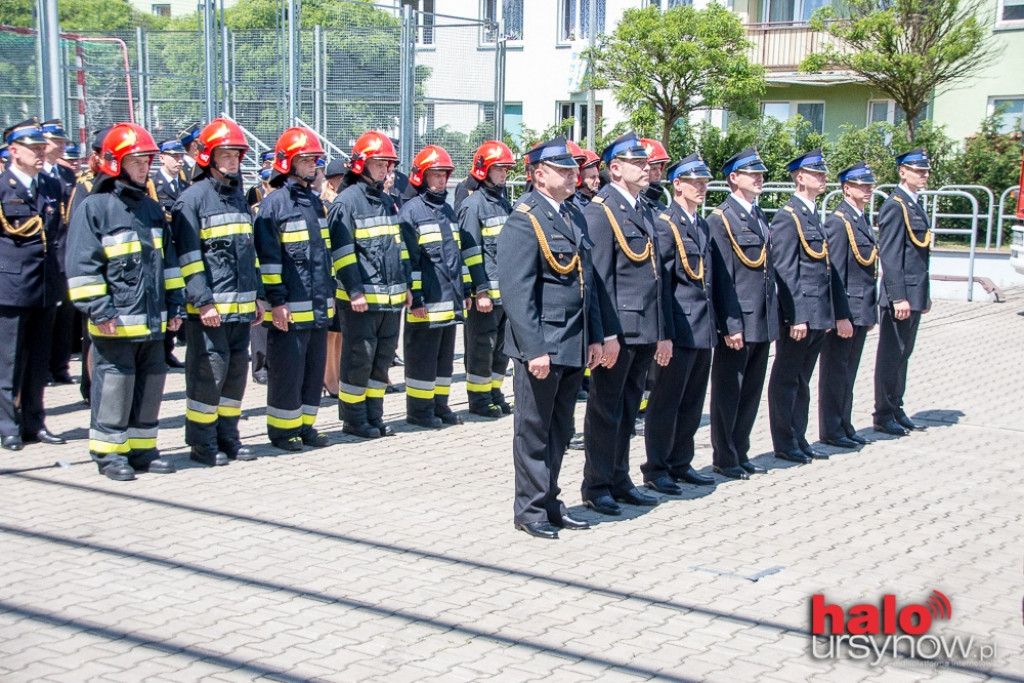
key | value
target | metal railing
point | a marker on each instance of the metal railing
(972, 232)
(1003, 217)
(988, 214)
(782, 45)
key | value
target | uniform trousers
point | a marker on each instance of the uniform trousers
(64, 332)
(737, 379)
(895, 344)
(486, 360)
(542, 424)
(371, 339)
(26, 332)
(295, 376)
(674, 410)
(216, 369)
(127, 388)
(837, 372)
(429, 359)
(612, 406)
(789, 389)
(258, 345)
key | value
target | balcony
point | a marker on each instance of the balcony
(781, 46)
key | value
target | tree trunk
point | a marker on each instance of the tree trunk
(666, 129)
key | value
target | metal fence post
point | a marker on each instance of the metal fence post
(50, 76)
(499, 85)
(140, 56)
(293, 61)
(407, 122)
(225, 82)
(318, 77)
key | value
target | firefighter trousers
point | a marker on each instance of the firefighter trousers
(295, 376)
(370, 341)
(127, 388)
(216, 369)
(486, 360)
(429, 357)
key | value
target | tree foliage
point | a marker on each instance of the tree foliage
(910, 49)
(663, 65)
(81, 15)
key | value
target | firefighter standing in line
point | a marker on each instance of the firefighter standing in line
(440, 295)
(256, 193)
(589, 183)
(374, 283)
(481, 217)
(188, 138)
(166, 186)
(123, 274)
(294, 250)
(212, 229)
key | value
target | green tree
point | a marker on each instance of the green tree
(81, 15)
(663, 65)
(910, 49)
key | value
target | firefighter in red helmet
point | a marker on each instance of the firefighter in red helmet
(212, 226)
(655, 195)
(373, 284)
(124, 276)
(294, 250)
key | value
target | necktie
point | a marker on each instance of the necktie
(32, 189)
(763, 223)
(636, 207)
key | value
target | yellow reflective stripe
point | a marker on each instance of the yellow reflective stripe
(466, 277)
(268, 278)
(192, 268)
(372, 392)
(225, 230)
(228, 411)
(302, 316)
(97, 446)
(340, 294)
(418, 393)
(201, 418)
(351, 398)
(496, 383)
(442, 390)
(474, 260)
(284, 422)
(126, 330)
(344, 261)
(385, 298)
(479, 388)
(158, 242)
(417, 284)
(494, 293)
(136, 443)
(325, 233)
(430, 237)
(490, 232)
(432, 317)
(174, 283)
(227, 308)
(308, 419)
(295, 236)
(379, 231)
(87, 291)
(405, 254)
(124, 248)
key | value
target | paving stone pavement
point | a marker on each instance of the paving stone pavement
(397, 560)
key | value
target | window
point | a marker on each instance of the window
(813, 112)
(1010, 11)
(425, 29)
(578, 112)
(1012, 111)
(162, 10)
(574, 19)
(887, 111)
(508, 13)
(790, 11)
(514, 120)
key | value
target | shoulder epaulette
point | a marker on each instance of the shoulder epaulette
(522, 208)
(599, 200)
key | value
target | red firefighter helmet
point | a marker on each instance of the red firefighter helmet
(430, 157)
(372, 145)
(491, 153)
(589, 159)
(219, 133)
(656, 153)
(295, 142)
(125, 139)
(576, 151)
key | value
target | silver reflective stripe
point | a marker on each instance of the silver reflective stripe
(309, 410)
(374, 384)
(85, 280)
(200, 407)
(120, 238)
(136, 433)
(224, 219)
(374, 221)
(284, 414)
(322, 222)
(271, 268)
(190, 257)
(230, 403)
(300, 306)
(471, 251)
(294, 226)
(117, 437)
(419, 384)
(126, 320)
(440, 307)
(428, 227)
(494, 222)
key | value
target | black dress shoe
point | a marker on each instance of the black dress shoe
(606, 505)
(751, 468)
(43, 436)
(692, 476)
(567, 522)
(664, 484)
(576, 442)
(635, 497)
(814, 453)
(156, 466)
(858, 439)
(428, 422)
(260, 378)
(732, 472)
(539, 529)
(63, 378)
(173, 362)
(397, 362)
(910, 424)
(243, 453)
(315, 439)
(841, 442)
(796, 455)
(452, 418)
(11, 443)
(890, 427)
(487, 411)
(217, 459)
(363, 431)
(384, 429)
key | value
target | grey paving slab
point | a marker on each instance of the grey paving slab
(396, 559)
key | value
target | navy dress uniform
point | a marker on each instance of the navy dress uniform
(30, 285)
(254, 195)
(549, 295)
(123, 274)
(187, 137)
(628, 267)
(904, 249)
(678, 391)
(744, 279)
(372, 263)
(481, 217)
(168, 189)
(213, 236)
(808, 295)
(439, 290)
(293, 245)
(854, 259)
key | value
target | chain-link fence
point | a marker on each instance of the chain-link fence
(349, 69)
